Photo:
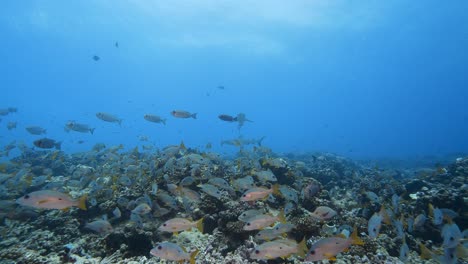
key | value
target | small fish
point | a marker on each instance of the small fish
(116, 44)
(11, 125)
(47, 143)
(278, 230)
(117, 214)
(96, 58)
(436, 214)
(227, 118)
(451, 235)
(289, 193)
(395, 203)
(175, 225)
(36, 130)
(266, 176)
(245, 216)
(374, 225)
(242, 119)
(404, 250)
(47, 199)
(154, 119)
(72, 125)
(328, 248)
(419, 221)
(310, 190)
(373, 197)
(323, 213)
(258, 222)
(259, 193)
(171, 251)
(211, 190)
(142, 209)
(183, 114)
(242, 184)
(100, 226)
(279, 249)
(167, 200)
(108, 118)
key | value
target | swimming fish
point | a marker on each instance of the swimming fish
(246, 215)
(323, 213)
(451, 235)
(261, 221)
(281, 248)
(36, 130)
(100, 226)
(374, 225)
(277, 230)
(11, 125)
(437, 215)
(47, 199)
(266, 176)
(259, 193)
(210, 190)
(108, 118)
(227, 118)
(83, 128)
(328, 248)
(96, 58)
(171, 251)
(183, 114)
(175, 225)
(142, 209)
(47, 143)
(154, 119)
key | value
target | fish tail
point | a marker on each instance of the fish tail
(425, 252)
(431, 210)
(302, 248)
(260, 140)
(192, 256)
(200, 225)
(194, 115)
(282, 217)
(82, 202)
(276, 189)
(120, 122)
(355, 240)
(163, 121)
(91, 130)
(58, 145)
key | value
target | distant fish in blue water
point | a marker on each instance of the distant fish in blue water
(116, 44)
(11, 125)
(83, 128)
(47, 143)
(154, 119)
(36, 130)
(96, 58)
(227, 118)
(183, 114)
(108, 117)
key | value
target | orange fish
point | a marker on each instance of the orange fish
(48, 199)
(328, 248)
(259, 193)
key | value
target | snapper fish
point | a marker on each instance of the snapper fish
(183, 114)
(176, 225)
(100, 226)
(281, 248)
(154, 119)
(171, 251)
(258, 222)
(328, 248)
(48, 199)
(109, 118)
(259, 193)
(83, 128)
(323, 213)
(227, 118)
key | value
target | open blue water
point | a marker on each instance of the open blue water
(364, 79)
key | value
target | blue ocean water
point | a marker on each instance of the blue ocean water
(363, 79)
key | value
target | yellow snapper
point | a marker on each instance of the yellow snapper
(279, 249)
(48, 199)
(261, 221)
(180, 224)
(259, 193)
(171, 251)
(328, 248)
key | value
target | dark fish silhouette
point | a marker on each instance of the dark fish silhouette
(227, 118)
(47, 143)
(96, 57)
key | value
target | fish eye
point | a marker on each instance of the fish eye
(452, 238)
(373, 229)
(248, 224)
(257, 251)
(164, 224)
(159, 247)
(312, 252)
(60, 199)
(244, 195)
(26, 196)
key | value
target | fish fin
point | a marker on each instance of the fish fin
(276, 189)
(163, 121)
(341, 235)
(192, 256)
(175, 233)
(42, 201)
(355, 240)
(200, 225)
(82, 202)
(330, 256)
(182, 146)
(194, 115)
(120, 122)
(58, 145)
(425, 252)
(431, 210)
(66, 209)
(302, 248)
(282, 217)
(91, 130)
